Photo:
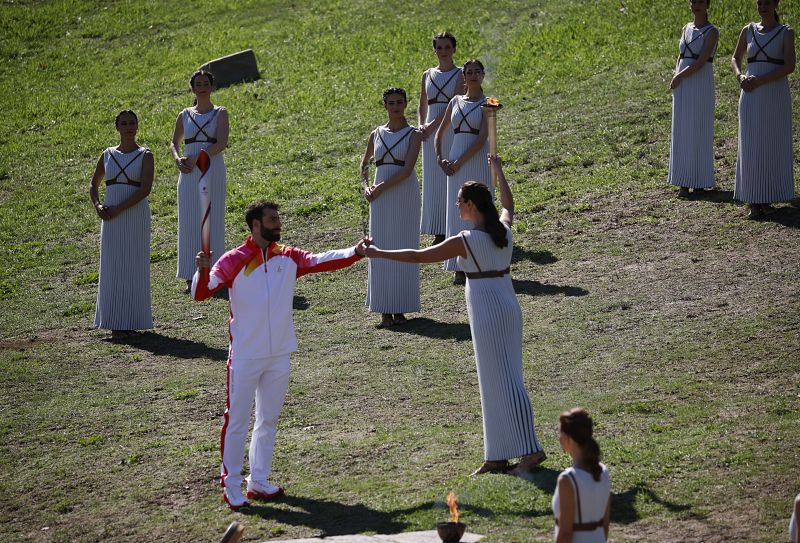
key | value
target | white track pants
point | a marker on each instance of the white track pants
(266, 380)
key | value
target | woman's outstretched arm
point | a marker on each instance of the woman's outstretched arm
(449, 248)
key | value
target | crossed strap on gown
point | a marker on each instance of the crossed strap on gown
(128, 181)
(470, 129)
(440, 90)
(381, 161)
(688, 52)
(761, 50)
(201, 130)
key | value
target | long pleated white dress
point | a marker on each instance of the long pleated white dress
(495, 320)
(691, 156)
(590, 502)
(393, 287)
(764, 163)
(123, 294)
(440, 87)
(465, 119)
(199, 131)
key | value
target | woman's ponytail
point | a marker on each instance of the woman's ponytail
(577, 424)
(479, 194)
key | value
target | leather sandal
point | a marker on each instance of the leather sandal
(492, 466)
(529, 463)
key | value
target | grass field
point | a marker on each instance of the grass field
(677, 323)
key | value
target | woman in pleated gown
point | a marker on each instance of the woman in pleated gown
(204, 126)
(394, 210)
(439, 85)
(123, 294)
(484, 253)
(764, 166)
(691, 157)
(465, 159)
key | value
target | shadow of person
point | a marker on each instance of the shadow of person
(788, 216)
(716, 196)
(330, 518)
(334, 518)
(544, 479)
(422, 326)
(535, 288)
(161, 345)
(623, 505)
(520, 254)
(300, 303)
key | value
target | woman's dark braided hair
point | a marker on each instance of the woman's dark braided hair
(394, 90)
(578, 425)
(479, 195)
(444, 35)
(197, 74)
(125, 112)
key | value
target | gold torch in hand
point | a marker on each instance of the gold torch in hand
(490, 110)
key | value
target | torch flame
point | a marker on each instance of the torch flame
(453, 505)
(492, 102)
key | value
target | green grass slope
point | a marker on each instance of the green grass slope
(677, 324)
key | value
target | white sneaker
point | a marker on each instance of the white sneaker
(263, 491)
(234, 498)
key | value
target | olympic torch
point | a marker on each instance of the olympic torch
(203, 185)
(490, 110)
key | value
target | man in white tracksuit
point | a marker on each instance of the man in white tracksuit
(260, 276)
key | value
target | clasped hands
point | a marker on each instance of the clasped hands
(106, 212)
(749, 83)
(365, 247)
(450, 167)
(186, 163)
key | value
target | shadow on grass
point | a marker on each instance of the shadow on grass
(161, 345)
(520, 254)
(535, 288)
(422, 326)
(334, 518)
(716, 196)
(623, 505)
(788, 216)
(300, 303)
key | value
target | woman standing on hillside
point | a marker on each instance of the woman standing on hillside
(393, 287)
(495, 319)
(691, 158)
(764, 162)
(439, 85)
(202, 126)
(582, 500)
(123, 294)
(464, 161)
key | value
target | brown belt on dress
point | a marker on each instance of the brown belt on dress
(586, 526)
(487, 274)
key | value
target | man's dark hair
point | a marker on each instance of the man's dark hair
(256, 211)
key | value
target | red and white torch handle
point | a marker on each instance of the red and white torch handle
(204, 186)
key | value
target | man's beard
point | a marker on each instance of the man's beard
(270, 235)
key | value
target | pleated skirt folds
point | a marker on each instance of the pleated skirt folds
(764, 171)
(393, 287)
(496, 324)
(123, 294)
(691, 157)
(475, 169)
